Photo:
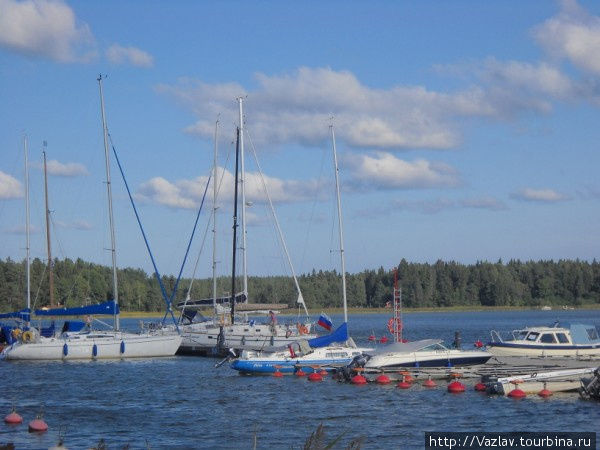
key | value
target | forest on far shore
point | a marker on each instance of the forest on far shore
(515, 283)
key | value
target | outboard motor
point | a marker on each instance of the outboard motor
(346, 373)
(590, 389)
(457, 340)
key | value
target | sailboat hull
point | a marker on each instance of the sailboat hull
(94, 346)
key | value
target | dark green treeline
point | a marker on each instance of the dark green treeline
(515, 283)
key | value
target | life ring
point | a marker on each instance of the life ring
(302, 329)
(27, 336)
(16, 333)
(394, 325)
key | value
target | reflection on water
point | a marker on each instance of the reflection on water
(184, 402)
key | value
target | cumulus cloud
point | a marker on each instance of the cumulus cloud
(490, 203)
(10, 187)
(187, 194)
(59, 169)
(46, 28)
(385, 171)
(81, 225)
(117, 54)
(22, 230)
(539, 195)
(572, 34)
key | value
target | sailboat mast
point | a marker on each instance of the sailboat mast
(243, 184)
(48, 245)
(214, 219)
(110, 208)
(235, 208)
(341, 228)
(27, 226)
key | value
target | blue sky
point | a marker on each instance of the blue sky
(466, 130)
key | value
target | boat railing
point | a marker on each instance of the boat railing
(495, 336)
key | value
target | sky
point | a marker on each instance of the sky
(466, 131)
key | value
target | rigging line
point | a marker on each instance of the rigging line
(162, 287)
(39, 287)
(187, 297)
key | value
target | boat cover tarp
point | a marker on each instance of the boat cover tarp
(584, 334)
(24, 314)
(106, 308)
(239, 298)
(405, 347)
(339, 335)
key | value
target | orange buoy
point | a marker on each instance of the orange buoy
(359, 379)
(323, 373)
(456, 387)
(315, 376)
(383, 379)
(480, 387)
(277, 374)
(38, 425)
(545, 392)
(516, 392)
(13, 418)
(429, 383)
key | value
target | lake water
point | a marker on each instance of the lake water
(185, 403)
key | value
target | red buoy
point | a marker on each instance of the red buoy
(323, 373)
(404, 384)
(383, 339)
(429, 383)
(383, 379)
(456, 387)
(315, 376)
(300, 372)
(480, 387)
(359, 379)
(38, 425)
(545, 392)
(478, 343)
(13, 418)
(372, 337)
(277, 374)
(517, 393)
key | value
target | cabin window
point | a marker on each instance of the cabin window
(548, 338)
(592, 333)
(532, 336)
(521, 336)
(562, 338)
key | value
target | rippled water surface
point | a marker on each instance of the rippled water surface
(184, 402)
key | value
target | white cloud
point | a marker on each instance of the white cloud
(45, 28)
(539, 195)
(187, 194)
(65, 169)
(117, 54)
(10, 187)
(385, 171)
(572, 34)
(489, 203)
(22, 230)
(81, 225)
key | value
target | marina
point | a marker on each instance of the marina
(189, 393)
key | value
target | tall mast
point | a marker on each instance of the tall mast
(214, 220)
(243, 184)
(110, 208)
(235, 208)
(341, 228)
(48, 245)
(27, 246)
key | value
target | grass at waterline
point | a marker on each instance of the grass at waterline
(154, 314)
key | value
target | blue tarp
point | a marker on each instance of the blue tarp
(339, 335)
(24, 314)
(106, 308)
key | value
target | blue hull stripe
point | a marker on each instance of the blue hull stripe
(286, 366)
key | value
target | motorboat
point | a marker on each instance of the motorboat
(326, 352)
(577, 340)
(423, 353)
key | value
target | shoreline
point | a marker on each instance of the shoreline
(593, 306)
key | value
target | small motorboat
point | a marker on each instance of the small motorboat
(578, 340)
(423, 353)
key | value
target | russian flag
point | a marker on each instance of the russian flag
(325, 321)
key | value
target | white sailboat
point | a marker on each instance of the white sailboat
(335, 350)
(88, 343)
(216, 335)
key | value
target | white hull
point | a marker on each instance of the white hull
(545, 352)
(203, 337)
(96, 345)
(433, 358)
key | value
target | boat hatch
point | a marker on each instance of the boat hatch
(532, 336)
